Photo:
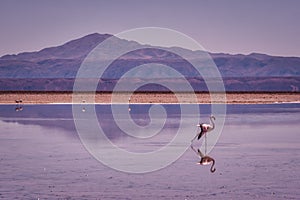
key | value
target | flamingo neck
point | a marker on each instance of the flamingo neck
(212, 169)
(212, 122)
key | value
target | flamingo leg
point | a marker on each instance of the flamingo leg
(197, 135)
(198, 152)
(201, 134)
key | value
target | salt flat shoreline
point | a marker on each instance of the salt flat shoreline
(150, 97)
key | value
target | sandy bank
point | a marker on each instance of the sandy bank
(153, 97)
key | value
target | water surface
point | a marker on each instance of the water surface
(257, 156)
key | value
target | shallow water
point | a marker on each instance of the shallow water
(257, 156)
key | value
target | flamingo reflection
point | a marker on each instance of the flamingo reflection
(205, 159)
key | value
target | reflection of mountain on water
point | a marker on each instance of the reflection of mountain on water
(60, 116)
(50, 116)
(260, 114)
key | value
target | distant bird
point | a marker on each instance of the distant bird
(129, 109)
(19, 101)
(204, 128)
(19, 108)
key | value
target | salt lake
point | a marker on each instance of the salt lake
(42, 157)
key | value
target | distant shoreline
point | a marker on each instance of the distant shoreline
(61, 97)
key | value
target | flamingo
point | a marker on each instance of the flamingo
(205, 128)
(129, 109)
(19, 107)
(205, 160)
(19, 101)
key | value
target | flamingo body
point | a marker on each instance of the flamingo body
(206, 127)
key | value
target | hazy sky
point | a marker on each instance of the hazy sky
(228, 26)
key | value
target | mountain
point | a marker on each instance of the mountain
(257, 65)
(75, 49)
(54, 62)
(55, 68)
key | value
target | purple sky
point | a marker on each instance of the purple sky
(228, 26)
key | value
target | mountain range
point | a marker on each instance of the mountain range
(54, 68)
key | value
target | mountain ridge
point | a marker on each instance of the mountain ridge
(63, 61)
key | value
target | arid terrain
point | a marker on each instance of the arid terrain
(149, 97)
